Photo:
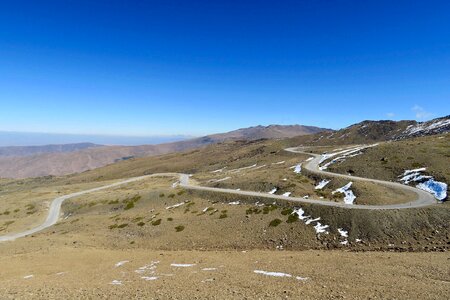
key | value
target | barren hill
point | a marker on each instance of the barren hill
(376, 131)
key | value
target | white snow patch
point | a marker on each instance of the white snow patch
(321, 228)
(149, 278)
(273, 191)
(309, 221)
(116, 282)
(175, 205)
(301, 278)
(344, 242)
(182, 265)
(426, 183)
(121, 263)
(349, 197)
(150, 268)
(322, 184)
(438, 189)
(298, 168)
(28, 276)
(310, 159)
(287, 194)
(219, 170)
(209, 269)
(279, 163)
(275, 274)
(234, 203)
(244, 168)
(221, 179)
(347, 153)
(205, 209)
(343, 233)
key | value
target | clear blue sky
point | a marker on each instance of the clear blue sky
(196, 67)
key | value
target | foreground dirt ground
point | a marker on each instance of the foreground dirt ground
(86, 273)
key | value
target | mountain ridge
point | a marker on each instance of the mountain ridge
(63, 163)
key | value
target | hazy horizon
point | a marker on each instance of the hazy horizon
(12, 138)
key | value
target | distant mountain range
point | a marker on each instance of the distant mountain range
(33, 161)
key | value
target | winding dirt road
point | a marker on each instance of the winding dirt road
(423, 198)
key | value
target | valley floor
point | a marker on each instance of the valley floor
(87, 273)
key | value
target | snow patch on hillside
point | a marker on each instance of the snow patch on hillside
(349, 197)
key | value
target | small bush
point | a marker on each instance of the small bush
(30, 206)
(17, 210)
(287, 211)
(156, 222)
(161, 195)
(252, 211)
(179, 228)
(269, 208)
(292, 218)
(129, 205)
(181, 192)
(113, 226)
(275, 223)
(122, 225)
(170, 219)
(113, 202)
(223, 216)
(171, 196)
(141, 224)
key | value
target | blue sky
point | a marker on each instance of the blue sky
(197, 67)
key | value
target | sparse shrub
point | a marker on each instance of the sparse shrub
(253, 210)
(113, 202)
(129, 205)
(171, 196)
(292, 218)
(223, 216)
(179, 228)
(181, 192)
(137, 219)
(92, 204)
(286, 211)
(156, 222)
(113, 226)
(17, 210)
(6, 212)
(161, 195)
(170, 219)
(122, 225)
(141, 224)
(275, 222)
(132, 243)
(269, 208)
